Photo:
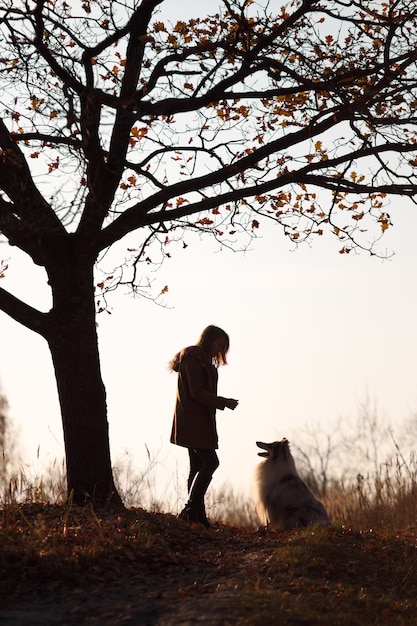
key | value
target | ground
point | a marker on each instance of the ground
(159, 601)
(153, 569)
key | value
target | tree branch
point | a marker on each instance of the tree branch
(23, 313)
(17, 182)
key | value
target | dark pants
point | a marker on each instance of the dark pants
(203, 464)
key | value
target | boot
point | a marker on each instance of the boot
(189, 513)
(197, 494)
(203, 517)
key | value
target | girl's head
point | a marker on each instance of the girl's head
(215, 342)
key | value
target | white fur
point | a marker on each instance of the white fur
(284, 501)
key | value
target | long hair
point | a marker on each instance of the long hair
(209, 334)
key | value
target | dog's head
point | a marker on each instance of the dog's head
(276, 450)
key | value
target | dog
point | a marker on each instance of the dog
(284, 502)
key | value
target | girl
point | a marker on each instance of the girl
(194, 424)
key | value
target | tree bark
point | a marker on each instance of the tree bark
(73, 343)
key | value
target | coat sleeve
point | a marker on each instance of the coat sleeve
(192, 370)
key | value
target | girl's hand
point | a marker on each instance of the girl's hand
(231, 404)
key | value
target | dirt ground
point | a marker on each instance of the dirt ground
(204, 591)
(134, 605)
(152, 569)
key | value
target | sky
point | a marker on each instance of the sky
(313, 333)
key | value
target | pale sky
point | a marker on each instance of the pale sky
(312, 334)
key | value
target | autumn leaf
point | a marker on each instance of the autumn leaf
(137, 134)
(173, 40)
(37, 103)
(54, 165)
(159, 27)
(385, 221)
(101, 285)
(181, 27)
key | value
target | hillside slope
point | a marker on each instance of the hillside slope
(67, 566)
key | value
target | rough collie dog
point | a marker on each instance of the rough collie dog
(284, 501)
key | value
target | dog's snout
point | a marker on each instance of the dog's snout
(264, 446)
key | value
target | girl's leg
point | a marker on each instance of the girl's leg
(195, 466)
(190, 512)
(209, 462)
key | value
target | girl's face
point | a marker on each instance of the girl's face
(218, 346)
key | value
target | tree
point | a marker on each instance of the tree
(10, 457)
(3, 432)
(116, 122)
(350, 449)
(316, 455)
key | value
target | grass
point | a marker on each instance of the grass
(315, 576)
(339, 577)
(362, 570)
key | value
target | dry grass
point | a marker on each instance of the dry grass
(385, 501)
(152, 568)
(55, 557)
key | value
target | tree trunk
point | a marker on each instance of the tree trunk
(72, 339)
